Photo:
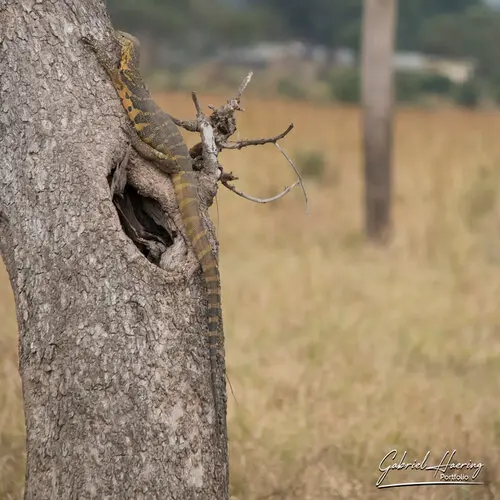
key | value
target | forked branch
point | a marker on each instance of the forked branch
(215, 132)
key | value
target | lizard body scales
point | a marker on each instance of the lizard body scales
(167, 148)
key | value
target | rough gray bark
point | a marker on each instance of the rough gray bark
(113, 357)
(377, 96)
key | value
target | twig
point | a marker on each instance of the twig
(227, 176)
(233, 104)
(258, 200)
(244, 85)
(256, 142)
(189, 125)
(194, 97)
(297, 173)
(232, 392)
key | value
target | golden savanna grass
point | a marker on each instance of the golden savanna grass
(339, 351)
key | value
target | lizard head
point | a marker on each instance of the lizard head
(130, 51)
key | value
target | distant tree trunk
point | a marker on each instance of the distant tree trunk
(113, 359)
(379, 20)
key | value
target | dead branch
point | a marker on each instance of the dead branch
(233, 104)
(215, 131)
(227, 176)
(244, 85)
(283, 152)
(258, 200)
(256, 142)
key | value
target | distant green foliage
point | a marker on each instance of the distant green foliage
(468, 94)
(455, 28)
(433, 83)
(346, 85)
(421, 23)
(194, 25)
(338, 23)
(474, 33)
(166, 19)
(320, 21)
(411, 86)
(408, 86)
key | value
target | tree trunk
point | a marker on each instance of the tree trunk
(113, 356)
(377, 95)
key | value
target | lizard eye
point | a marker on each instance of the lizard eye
(131, 38)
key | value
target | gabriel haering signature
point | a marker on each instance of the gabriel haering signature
(448, 471)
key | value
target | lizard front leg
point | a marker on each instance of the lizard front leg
(162, 161)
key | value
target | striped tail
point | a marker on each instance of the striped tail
(187, 198)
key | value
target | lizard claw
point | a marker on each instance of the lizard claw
(128, 130)
(89, 41)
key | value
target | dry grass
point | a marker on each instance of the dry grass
(338, 351)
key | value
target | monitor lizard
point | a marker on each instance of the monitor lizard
(156, 137)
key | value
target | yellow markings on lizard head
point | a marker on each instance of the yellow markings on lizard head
(127, 54)
(129, 50)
